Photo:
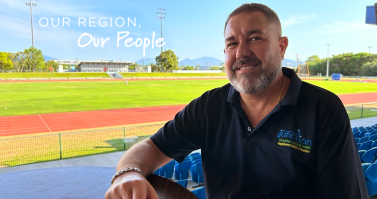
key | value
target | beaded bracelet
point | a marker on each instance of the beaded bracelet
(124, 171)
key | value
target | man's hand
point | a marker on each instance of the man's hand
(131, 185)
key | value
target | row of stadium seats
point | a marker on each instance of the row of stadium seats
(365, 138)
(191, 166)
(359, 132)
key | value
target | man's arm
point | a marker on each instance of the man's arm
(145, 156)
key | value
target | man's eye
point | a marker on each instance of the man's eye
(255, 38)
(231, 45)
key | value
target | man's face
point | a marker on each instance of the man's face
(253, 52)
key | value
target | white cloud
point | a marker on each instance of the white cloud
(296, 19)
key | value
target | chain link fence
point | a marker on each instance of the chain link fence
(22, 150)
(362, 111)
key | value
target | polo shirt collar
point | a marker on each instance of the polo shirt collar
(291, 97)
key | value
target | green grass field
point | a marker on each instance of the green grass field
(104, 75)
(24, 98)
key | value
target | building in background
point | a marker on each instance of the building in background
(103, 66)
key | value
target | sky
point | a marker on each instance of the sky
(192, 29)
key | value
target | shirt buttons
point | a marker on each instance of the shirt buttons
(249, 128)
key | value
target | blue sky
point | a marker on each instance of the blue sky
(192, 29)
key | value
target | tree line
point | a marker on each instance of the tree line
(29, 60)
(348, 64)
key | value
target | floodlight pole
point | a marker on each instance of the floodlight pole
(31, 19)
(369, 48)
(162, 13)
(327, 71)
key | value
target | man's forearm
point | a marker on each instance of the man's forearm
(144, 155)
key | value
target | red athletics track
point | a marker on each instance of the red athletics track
(30, 124)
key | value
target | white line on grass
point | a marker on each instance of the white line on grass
(45, 123)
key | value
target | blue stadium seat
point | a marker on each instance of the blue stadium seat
(358, 145)
(356, 140)
(365, 145)
(365, 166)
(199, 170)
(183, 183)
(371, 179)
(369, 156)
(373, 132)
(169, 169)
(362, 139)
(362, 133)
(159, 172)
(361, 152)
(372, 137)
(182, 170)
(374, 144)
(200, 192)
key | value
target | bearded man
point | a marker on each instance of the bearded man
(267, 134)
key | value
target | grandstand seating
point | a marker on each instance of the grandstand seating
(370, 175)
(192, 165)
(366, 141)
(169, 169)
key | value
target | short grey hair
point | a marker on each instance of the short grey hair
(270, 15)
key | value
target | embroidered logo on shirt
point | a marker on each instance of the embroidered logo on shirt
(294, 140)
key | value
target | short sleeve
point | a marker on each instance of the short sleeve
(180, 136)
(338, 172)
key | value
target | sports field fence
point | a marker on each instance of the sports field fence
(15, 151)
(362, 110)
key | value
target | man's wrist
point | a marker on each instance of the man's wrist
(121, 172)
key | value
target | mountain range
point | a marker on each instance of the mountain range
(207, 62)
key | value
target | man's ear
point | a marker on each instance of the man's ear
(224, 50)
(283, 44)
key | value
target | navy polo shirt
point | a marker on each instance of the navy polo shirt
(304, 148)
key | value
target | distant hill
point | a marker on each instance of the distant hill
(207, 62)
(48, 58)
(204, 61)
(146, 61)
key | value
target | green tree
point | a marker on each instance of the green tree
(132, 66)
(18, 60)
(187, 67)
(51, 63)
(167, 60)
(5, 61)
(154, 67)
(34, 59)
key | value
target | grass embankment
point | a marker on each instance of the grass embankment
(51, 75)
(24, 98)
(130, 75)
(104, 75)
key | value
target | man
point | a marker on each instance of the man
(264, 135)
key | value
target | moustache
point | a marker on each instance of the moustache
(247, 60)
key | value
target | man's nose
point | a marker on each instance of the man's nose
(243, 51)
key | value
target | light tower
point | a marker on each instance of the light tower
(31, 19)
(161, 12)
(327, 70)
(369, 48)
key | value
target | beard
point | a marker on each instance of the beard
(251, 83)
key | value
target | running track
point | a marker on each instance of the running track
(30, 124)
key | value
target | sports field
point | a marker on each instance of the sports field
(25, 98)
